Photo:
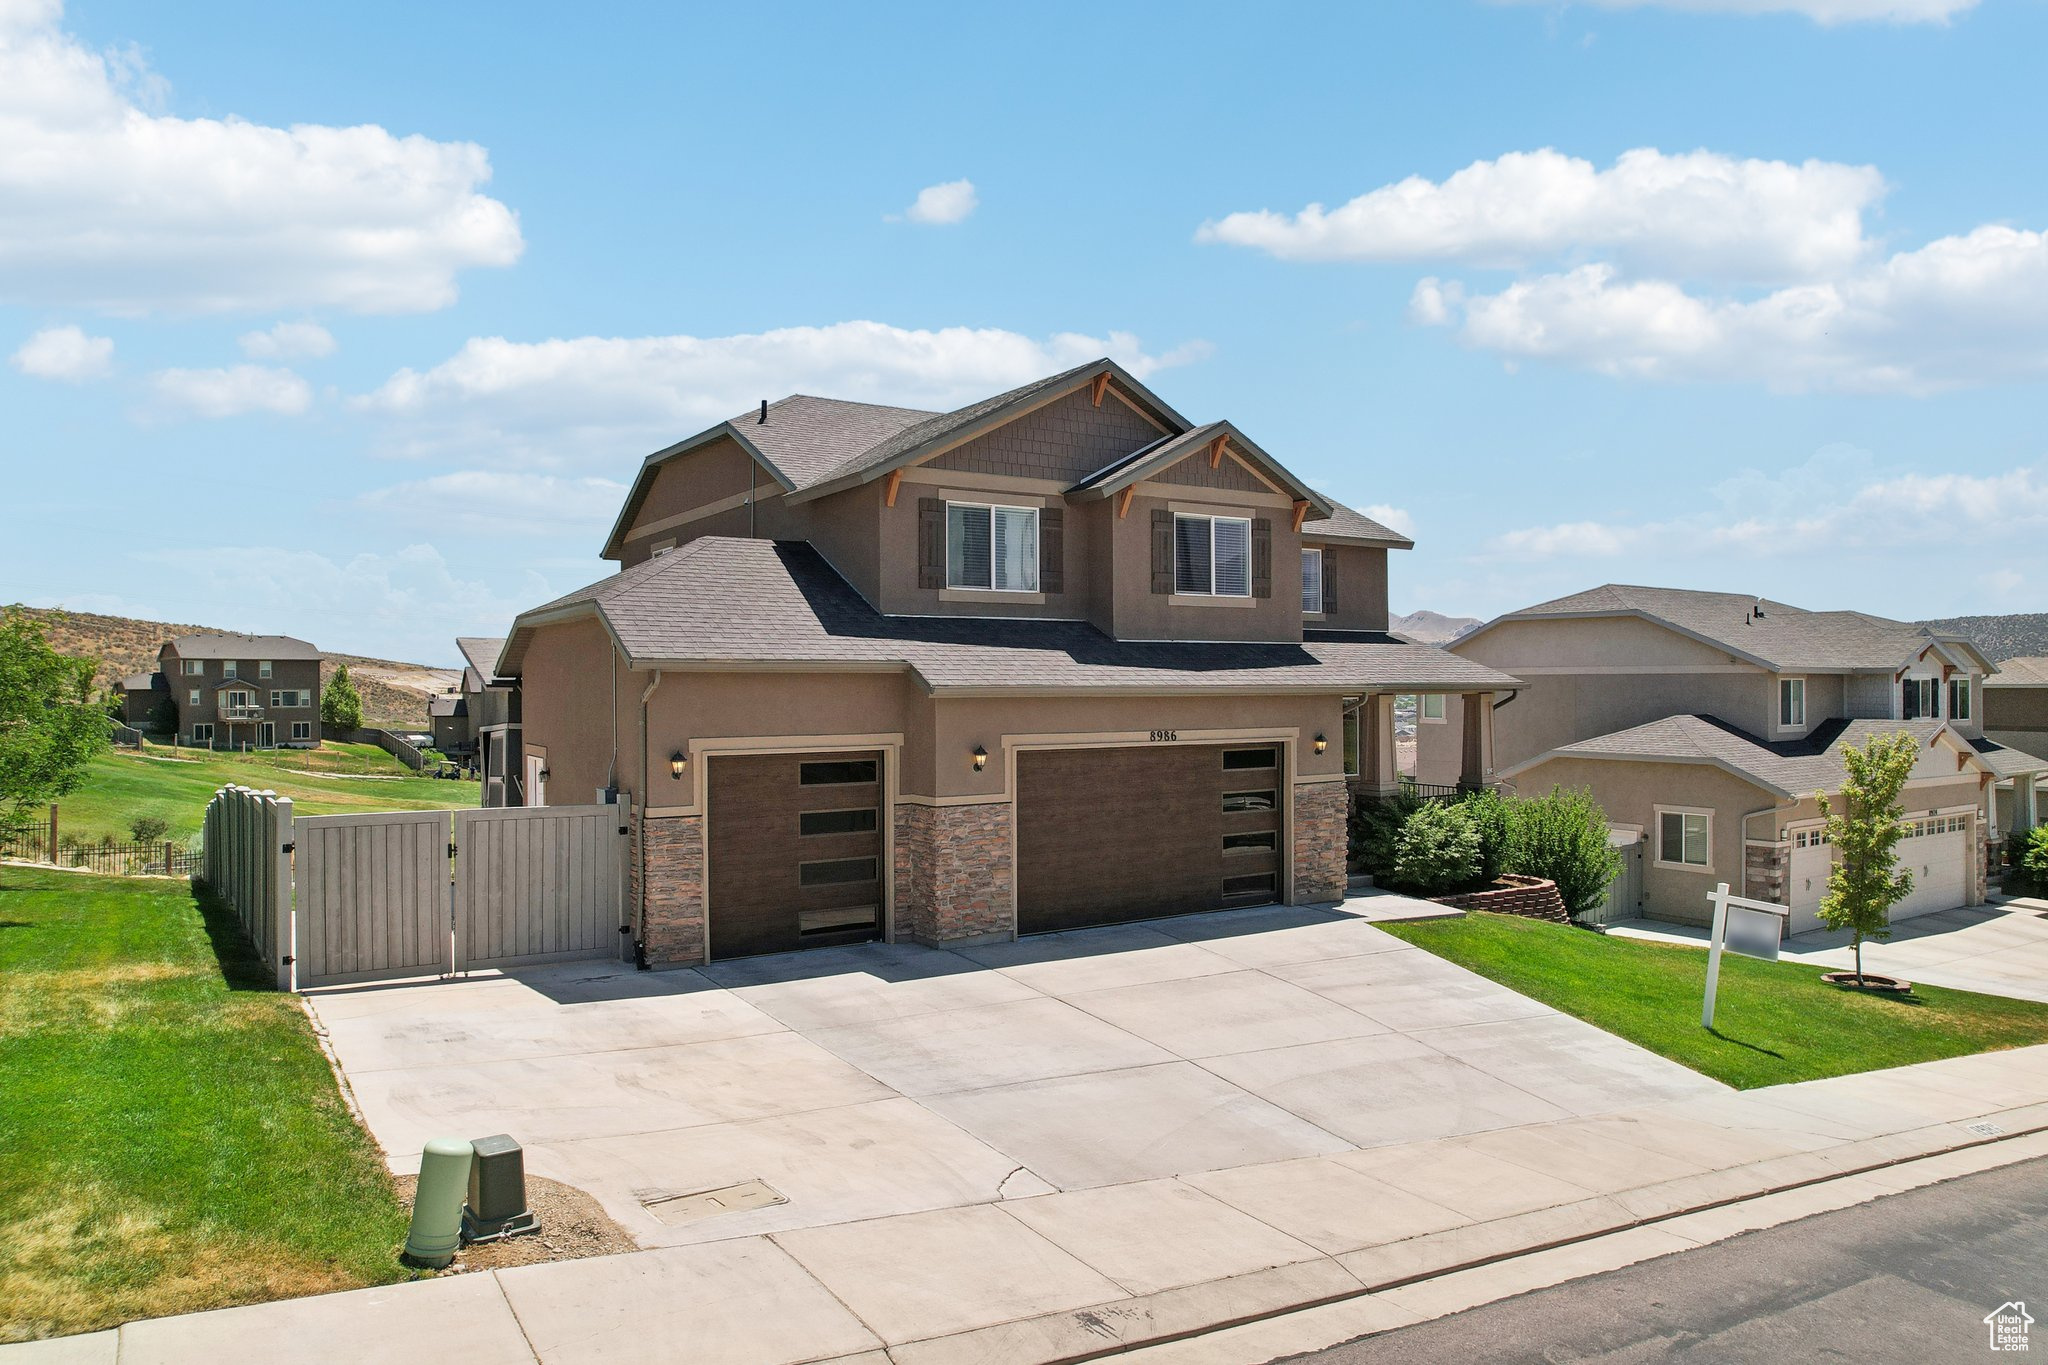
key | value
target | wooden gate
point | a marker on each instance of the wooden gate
(538, 884)
(371, 896)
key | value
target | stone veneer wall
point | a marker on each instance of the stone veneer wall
(953, 872)
(673, 851)
(1982, 880)
(1765, 868)
(1514, 894)
(1321, 841)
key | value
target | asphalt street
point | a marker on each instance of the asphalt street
(1905, 1278)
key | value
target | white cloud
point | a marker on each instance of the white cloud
(287, 341)
(498, 502)
(106, 204)
(230, 392)
(1692, 213)
(1393, 518)
(1820, 11)
(65, 353)
(1959, 311)
(570, 401)
(940, 205)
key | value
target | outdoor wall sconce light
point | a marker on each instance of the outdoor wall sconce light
(1321, 743)
(676, 764)
(980, 758)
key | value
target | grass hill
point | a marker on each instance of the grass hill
(2016, 635)
(394, 693)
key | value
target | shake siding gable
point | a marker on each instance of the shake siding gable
(1231, 474)
(1066, 440)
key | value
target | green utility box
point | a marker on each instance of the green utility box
(497, 1192)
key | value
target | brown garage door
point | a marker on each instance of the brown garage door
(795, 848)
(1108, 835)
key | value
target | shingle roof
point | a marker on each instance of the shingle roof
(1345, 524)
(224, 646)
(143, 682)
(1171, 450)
(481, 652)
(2025, 672)
(722, 600)
(2007, 761)
(444, 704)
(1784, 637)
(1789, 767)
(808, 440)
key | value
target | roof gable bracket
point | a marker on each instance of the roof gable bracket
(1097, 388)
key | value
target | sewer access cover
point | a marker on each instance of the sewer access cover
(1984, 1129)
(678, 1209)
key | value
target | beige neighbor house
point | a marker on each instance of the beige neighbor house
(1705, 723)
(243, 691)
(490, 706)
(2016, 715)
(1058, 658)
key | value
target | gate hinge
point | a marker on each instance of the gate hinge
(624, 830)
(451, 850)
(287, 960)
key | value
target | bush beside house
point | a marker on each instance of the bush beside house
(1488, 847)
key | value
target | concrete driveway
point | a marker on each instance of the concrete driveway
(1996, 949)
(1232, 1064)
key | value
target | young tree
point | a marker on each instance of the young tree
(1563, 836)
(341, 706)
(50, 726)
(1867, 880)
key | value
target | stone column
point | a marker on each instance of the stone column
(1474, 752)
(1321, 841)
(671, 861)
(953, 873)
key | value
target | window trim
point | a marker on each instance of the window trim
(205, 725)
(1212, 518)
(1790, 680)
(1443, 706)
(1933, 685)
(1959, 687)
(196, 695)
(1659, 860)
(262, 668)
(305, 725)
(1037, 545)
(228, 668)
(193, 668)
(1317, 551)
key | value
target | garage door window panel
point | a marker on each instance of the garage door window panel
(835, 872)
(1236, 803)
(838, 772)
(816, 823)
(1239, 759)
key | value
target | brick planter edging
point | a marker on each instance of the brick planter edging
(1514, 894)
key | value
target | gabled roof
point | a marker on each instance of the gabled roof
(1344, 526)
(480, 653)
(1773, 635)
(1171, 450)
(144, 682)
(447, 704)
(1789, 768)
(2027, 672)
(727, 603)
(224, 646)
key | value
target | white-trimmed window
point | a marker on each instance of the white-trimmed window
(1920, 699)
(1430, 707)
(1212, 556)
(1311, 581)
(302, 729)
(991, 547)
(1685, 839)
(227, 668)
(202, 734)
(1959, 698)
(263, 668)
(194, 668)
(1791, 703)
(195, 697)
(235, 698)
(290, 696)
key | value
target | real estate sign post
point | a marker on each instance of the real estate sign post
(1751, 928)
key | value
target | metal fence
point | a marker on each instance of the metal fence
(156, 858)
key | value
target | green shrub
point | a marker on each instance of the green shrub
(147, 829)
(1375, 826)
(1438, 850)
(1493, 816)
(1563, 836)
(2029, 853)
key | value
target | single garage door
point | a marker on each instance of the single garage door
(1109, 835)
(795, 848)
(1936, 850)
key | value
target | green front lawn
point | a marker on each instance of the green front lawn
(1774, 1021)
(171, 1138)
(335, 779)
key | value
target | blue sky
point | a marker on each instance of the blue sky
(352, 322)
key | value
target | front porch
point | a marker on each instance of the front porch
(1372, 758)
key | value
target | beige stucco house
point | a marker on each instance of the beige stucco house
(1705, 723)
(491, 714)
(1059, 657)
(2016, 715)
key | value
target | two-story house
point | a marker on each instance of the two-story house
(491, 717)
(2016, 715)
(1061, 657)
(1705, 723)
(243, 691)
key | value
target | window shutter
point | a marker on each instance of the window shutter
(1052, 549)
(1162, 551)
(1262, 557)
(931, 543)
(1329, 582)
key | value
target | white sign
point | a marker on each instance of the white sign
(1741, 926)
(2008, 1324)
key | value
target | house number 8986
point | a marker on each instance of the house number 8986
(1164, 736)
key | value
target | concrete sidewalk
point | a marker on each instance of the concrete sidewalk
(1379, 1237)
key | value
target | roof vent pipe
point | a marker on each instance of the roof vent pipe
(1759, 608)
(764, 414)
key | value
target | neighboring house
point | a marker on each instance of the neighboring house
(492, 707)
(141, 694)
(244, 691)
(2016, 715)
(1705, 722)
(1058, 658)
(448, 722)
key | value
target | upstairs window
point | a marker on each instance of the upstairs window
(227, 669)
(1958, 698)
(1921, 699)
(263, 668)
(194, 668)
(1212, 556)
(1312, 582)
(1791, 702)
(991, 547)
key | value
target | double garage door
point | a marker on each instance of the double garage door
(1936, 850)
(1115, 834)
